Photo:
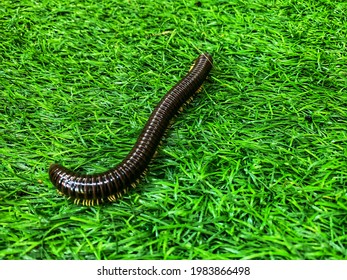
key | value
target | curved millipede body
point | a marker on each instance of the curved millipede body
(109, 185)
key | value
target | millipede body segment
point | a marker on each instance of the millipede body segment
(111, 184)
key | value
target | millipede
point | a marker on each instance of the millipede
(112, 184)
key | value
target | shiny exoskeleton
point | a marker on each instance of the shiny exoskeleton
(110, 185)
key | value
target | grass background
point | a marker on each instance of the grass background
(254, 168)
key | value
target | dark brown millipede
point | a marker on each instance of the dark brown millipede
(111, 184)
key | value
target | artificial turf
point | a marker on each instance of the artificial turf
(254, 168)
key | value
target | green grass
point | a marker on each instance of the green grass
(254, 168)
